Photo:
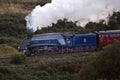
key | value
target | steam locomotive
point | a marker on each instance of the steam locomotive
(58, 43)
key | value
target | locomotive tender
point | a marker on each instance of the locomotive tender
(57, 43)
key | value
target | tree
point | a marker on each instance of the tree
(63, 26)
(113, 23)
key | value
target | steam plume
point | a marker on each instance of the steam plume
(82, 11)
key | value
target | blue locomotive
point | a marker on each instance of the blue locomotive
(57, 43)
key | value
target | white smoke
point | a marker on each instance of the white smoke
(82, 11)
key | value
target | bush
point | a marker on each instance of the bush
(18, 59)
(106, 65)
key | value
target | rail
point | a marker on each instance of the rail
(48, 62)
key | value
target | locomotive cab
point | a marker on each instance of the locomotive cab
(68, 38)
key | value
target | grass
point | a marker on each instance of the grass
(13, 8)
(7, 51)
(57, 72)
(20, 6)
(55, 56)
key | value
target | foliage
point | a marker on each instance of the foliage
(106, 65)
(18, 59)
(93, 26)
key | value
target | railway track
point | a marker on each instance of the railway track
(41, 63)
(4, 59)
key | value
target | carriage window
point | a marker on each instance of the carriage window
(118, 36)
(101, 38)
(105, 37)
(110, 37)
(115, 36)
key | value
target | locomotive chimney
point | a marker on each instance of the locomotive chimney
(29, 33)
